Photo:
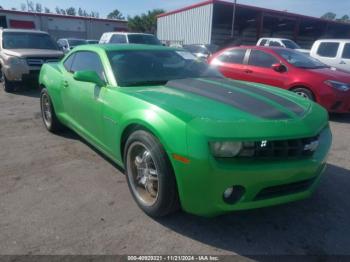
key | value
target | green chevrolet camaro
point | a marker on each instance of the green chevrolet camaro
(187, 137)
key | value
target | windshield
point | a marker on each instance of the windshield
(76, 42)
(143, 39)
(133, 68)
(300, 60)
(290, 44)
(17, 40)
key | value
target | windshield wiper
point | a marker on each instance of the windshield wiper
(147, 83)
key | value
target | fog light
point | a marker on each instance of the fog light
(233, 194)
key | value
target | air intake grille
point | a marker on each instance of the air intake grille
(39, 61)
(295, 148)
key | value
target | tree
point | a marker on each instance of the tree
(116, 14)
(47, 10)
(71, 11)
(344, 18)
(329, 16)
(147, 22)
(63, 12)
(38, 8)
(23, 7)
(80, 12)
(58, 10)
(30, 5)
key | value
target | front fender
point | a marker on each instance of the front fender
(169, 130)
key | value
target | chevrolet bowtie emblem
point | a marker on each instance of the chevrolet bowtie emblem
(312, 146)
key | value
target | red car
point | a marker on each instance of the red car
(287, 69)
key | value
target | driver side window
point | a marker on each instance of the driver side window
(88, 61)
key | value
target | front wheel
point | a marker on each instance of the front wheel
(8, 85)
(306, 93)
(150, 176)
(48, 113)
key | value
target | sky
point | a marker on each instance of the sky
(132, 7)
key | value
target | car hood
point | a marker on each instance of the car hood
(217, 106)
(33, 53)
(332, 74)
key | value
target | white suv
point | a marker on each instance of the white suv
(281, 42)
(129, 38)
(333, 52)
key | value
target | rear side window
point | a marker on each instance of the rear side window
(118, 39)
(275, 43)
(261, 59)
(328, 49)
(68, 63)
(263, 42)
(346, 51)
(87, 61)
(235, 56)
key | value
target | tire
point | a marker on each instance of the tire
(8, 86)
(306, 93)
(48, 114)
(149, 174)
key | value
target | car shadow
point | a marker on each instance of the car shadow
(316, 226)
(29, 91)
(340, 118)
(70, 134)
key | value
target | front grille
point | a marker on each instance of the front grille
(293, 148)
(282, 190)
(39, 61)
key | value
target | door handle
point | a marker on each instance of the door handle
(65, 84)
(248, 71)
(342, 62)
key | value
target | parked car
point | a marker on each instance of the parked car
(290, 70)
(185, 135)
(92, 42)
(333, 52)
(201, 51)
(22, 53)
(129, 38)
(67, 44)
(281, 42)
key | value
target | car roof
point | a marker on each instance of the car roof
(23, 31)
(262, 48)
(123, 47)
(126, 33)
(274, 38)
(333, 40)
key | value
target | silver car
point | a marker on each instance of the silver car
(22, 53)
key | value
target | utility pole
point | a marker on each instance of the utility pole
(233, 18)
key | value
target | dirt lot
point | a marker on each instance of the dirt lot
(59, 196)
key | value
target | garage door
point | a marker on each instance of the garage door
(21, 24)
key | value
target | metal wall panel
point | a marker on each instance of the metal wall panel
(191, 26)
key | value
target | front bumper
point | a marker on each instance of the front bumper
(202, 182)
(336, 102)
(21, 73)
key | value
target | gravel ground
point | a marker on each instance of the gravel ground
(59, 196)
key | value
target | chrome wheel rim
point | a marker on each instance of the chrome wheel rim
(142, 174)
(303, 95)
(46, 110)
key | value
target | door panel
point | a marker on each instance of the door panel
(259, 69)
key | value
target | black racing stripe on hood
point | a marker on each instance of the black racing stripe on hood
(239, 100)
(298, 110)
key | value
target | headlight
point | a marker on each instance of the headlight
(338, 85)
(226, 149)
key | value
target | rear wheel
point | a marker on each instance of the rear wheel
(306, 93)
(149, 174)
(48, 113)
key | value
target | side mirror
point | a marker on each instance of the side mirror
(280, 68)
(90, 77)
